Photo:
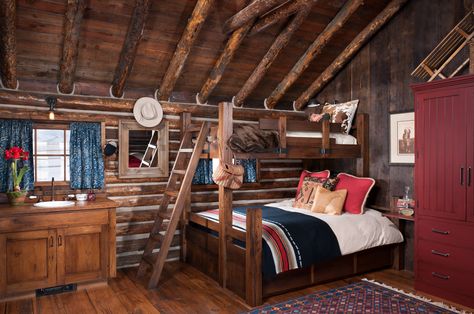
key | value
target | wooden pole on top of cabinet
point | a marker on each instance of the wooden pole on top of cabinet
(225, 195)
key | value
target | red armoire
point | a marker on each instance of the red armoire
(444, 214)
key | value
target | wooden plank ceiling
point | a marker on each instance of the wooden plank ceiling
(177, 49)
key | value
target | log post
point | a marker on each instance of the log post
(253, 257)
(280, 42)
(313, 50)
(184, 122)
(249, 13)
(282, 134)
(276, 15)
(8, 43)
(225, 195)
(233, 43)
(197, 19)
(130, 45)
(325, 129)
(356, 44)
(72, 29)
(363, 165)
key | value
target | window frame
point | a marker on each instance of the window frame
(49, 126)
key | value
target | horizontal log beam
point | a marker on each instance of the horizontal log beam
(197, 19)
(72, 29)
(276, 15)
(249, 13)
(126, 105)
(349, 52)
(280, 42)
(8, 43)
(313, 50)
(130, 45)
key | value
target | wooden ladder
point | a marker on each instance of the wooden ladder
(177, 191)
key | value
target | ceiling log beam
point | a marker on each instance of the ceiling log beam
(115, 105)
(197, 19)
(249, 13)
(276, 15)
(313, 50)
(280, 42)
(8, 43)
(348, 53)
(130, 45)
(72, 29)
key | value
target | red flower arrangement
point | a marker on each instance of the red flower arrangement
(15, 154)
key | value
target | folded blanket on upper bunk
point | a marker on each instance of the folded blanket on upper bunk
(291, 240)
(248, 138)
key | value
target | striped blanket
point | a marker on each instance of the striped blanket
(291, 240)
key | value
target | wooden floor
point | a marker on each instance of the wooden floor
(183, 290)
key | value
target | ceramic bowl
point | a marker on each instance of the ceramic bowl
(407, 212)
(81, 197)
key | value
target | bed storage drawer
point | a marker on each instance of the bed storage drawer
(447, 232)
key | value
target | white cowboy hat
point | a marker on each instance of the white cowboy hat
(148, 112)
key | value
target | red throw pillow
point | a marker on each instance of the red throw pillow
(358, 189)
(321, 174)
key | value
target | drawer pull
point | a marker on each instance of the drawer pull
(440, 276)
(440, 231)
(51, 241)
(60, 240)
(439, 253)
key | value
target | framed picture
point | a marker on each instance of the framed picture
(402, 138)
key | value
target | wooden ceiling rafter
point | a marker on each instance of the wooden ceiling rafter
(348, 53)
(278, 45)
(249, 13)
(8, 44)
(283, 11)
(72, 29)
(128, 53)
(313, 50)
(193, 27)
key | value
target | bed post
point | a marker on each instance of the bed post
(253, 257)
(184, 122)
(363, 141)
(225, 195)
(282, 135)
(325, 129)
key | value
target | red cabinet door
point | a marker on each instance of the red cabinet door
(440, 164)
(470, 155)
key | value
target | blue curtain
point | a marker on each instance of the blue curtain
(250, 169)
(203, 174)
(86, 162)
(16, 133)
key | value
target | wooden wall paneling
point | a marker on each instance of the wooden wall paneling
(195, 22)
(8, 44)
(72, 30)
(280, 43)
(136, 27)
(347, 54)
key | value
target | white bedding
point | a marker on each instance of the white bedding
(343, 139)
(354, 232)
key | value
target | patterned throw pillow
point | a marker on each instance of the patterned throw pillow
(328, 202)
(331, 183)
(343, 113)
(305, 197)
(305, 173)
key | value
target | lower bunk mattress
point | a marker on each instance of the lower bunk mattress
(295, 238)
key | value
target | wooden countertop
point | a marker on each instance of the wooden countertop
(29, 208)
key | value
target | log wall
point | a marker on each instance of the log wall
(379, 76)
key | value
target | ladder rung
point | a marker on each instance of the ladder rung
(186, 150)
(193, 128)
(165, 215)
(179, 172)
(152, 146)
(172, 193)
(145, 163)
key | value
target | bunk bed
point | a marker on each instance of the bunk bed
(233, 256)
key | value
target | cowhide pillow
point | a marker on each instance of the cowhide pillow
(343, 113)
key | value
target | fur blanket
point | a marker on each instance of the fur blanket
(248, 138)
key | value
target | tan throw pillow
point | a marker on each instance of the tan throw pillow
(305, 197)
(343, 113)
(328, 202)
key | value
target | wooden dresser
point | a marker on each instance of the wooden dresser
(47, 247)
(444, 230)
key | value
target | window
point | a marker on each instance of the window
(51, 152)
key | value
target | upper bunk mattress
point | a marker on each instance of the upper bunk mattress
(342, 139)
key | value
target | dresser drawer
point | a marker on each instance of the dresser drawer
(446, 256)
(451, 233)
(446, 278)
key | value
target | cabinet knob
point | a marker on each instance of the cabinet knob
(60, 240)
(51, 241)
(461, 177)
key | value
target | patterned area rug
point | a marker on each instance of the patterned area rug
(359, 297)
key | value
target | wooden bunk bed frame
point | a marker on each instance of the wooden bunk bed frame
(239, 269)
